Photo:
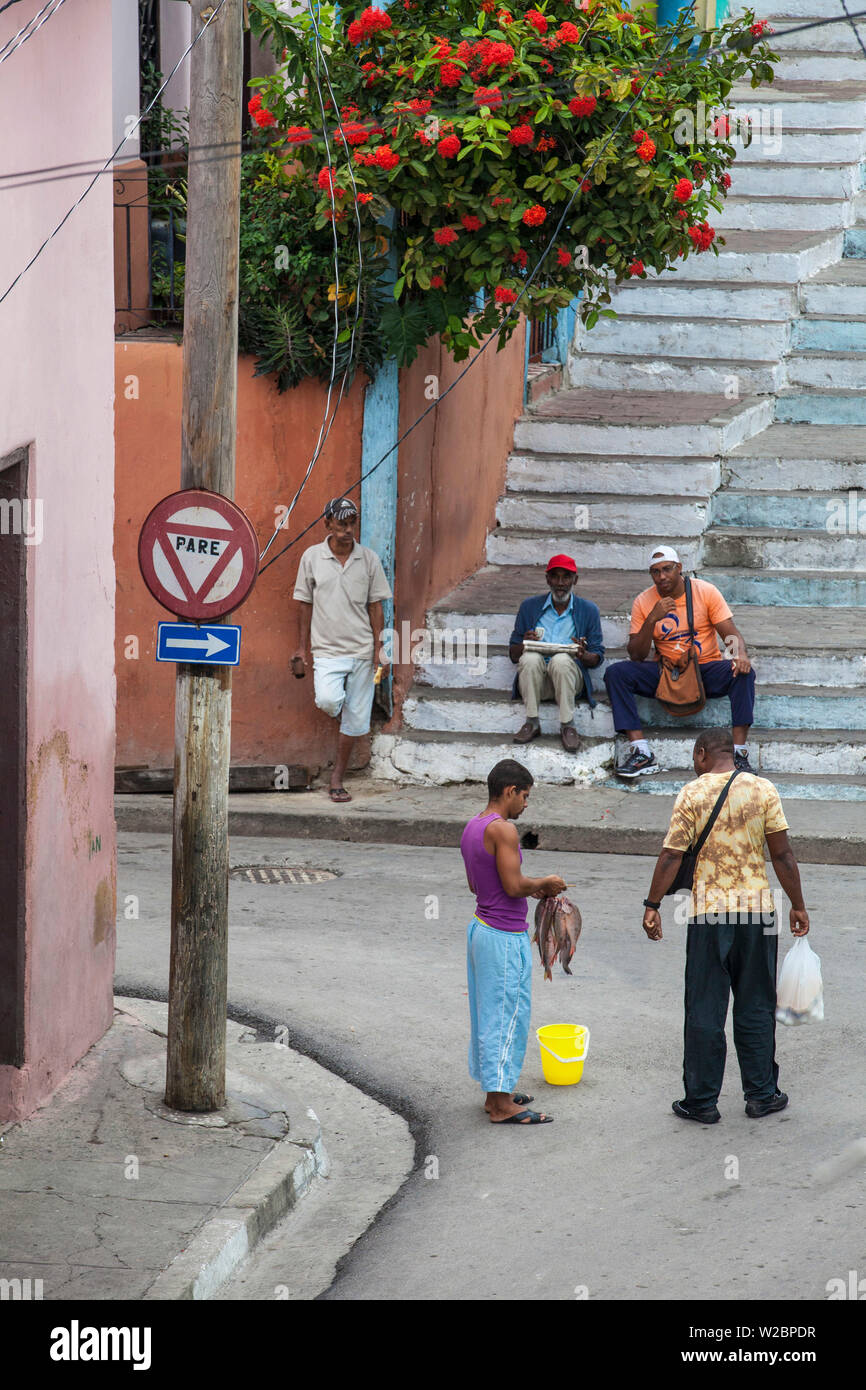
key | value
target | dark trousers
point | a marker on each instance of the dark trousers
(625, 679)
(732, 955)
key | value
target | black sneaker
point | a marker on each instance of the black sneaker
(742, 764)
(704, 1117)
(637, 764)
(756, 1109)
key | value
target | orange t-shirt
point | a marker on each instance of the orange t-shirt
(671, 633)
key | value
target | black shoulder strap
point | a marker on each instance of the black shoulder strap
(699, 843)
(690, 612)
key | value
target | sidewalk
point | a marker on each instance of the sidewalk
(593, 820)
(107, 1194)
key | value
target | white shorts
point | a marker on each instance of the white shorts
(345, 684)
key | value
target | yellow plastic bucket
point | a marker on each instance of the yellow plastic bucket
(563, 1052)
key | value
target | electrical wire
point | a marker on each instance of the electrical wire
(129, 133)
(7, 52)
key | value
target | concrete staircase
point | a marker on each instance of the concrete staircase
(724, 412)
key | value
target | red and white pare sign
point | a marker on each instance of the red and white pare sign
(198, 554)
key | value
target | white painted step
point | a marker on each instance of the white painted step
(762, 257)
(630, 476)
(800, 458)
(620, 372)
(770, 214)
(837, 292)
(756, 548)
(597, 550)
(825, 370)
(733, 423)
(819, 67)
(682, 298)
(603, 515)
(796, 180)
(820, 145)
(636, 334)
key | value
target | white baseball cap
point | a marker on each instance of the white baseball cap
(663, 553)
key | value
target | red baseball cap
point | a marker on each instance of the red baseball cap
(562, 562)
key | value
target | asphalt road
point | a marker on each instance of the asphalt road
(618, 1199)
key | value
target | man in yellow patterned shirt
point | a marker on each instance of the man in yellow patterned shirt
(732, 939)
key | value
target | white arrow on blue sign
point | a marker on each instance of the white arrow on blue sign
(219, 645)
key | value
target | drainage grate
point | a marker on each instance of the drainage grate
(279, 873)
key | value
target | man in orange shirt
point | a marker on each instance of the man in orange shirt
(658, 616)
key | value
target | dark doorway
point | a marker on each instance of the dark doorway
(13, 746)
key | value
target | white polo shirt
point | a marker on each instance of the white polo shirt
(340, 594)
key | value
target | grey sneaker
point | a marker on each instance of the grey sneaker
(637, 765)
(742, 764)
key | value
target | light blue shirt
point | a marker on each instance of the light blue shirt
(558, 627)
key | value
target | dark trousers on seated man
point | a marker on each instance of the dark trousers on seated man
(627, 679)
(730, 954)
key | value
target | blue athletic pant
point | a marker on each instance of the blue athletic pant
(625, 679)
(499, 972)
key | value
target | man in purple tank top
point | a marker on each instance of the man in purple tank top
(498, 956)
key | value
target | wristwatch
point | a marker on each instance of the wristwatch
(647, 903)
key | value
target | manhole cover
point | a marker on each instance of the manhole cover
(279, 873)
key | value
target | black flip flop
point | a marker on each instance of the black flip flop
(531, 1117)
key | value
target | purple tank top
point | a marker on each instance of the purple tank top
(493, 903)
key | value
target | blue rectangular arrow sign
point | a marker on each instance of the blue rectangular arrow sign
(217, 645)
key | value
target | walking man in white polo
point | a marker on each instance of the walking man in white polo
(339, 591)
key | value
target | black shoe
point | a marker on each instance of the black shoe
(742, 764)
(756, 1109)
(703, 1117)
(637, 765)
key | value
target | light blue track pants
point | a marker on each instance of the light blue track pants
(499, 971)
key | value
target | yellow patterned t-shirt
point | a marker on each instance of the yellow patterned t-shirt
(730, 875)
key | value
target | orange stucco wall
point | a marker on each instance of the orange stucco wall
(442, 525)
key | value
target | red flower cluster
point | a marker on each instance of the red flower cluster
(568, 33)
(488, 96)
(546, 142)
(254, 103)
(450, 75)
(563, 257)
(520, 258)
(498, 201)
(471, 222)
(520, 135)
(758, 29)
(364, 197)
(624, 17)
(537, 20)
(683, 191)
(504, 295)
(298, 135)
(534, 216)
(504, 17)
(369, 23)
(325, 180)
(261, 116)
(646, 151)
(385, 157)
(449, 147)
(702, 236)
(419, 106)
(636, 268)
(725, 181)
(721, 127)
(639, 136)
(356, 133)
(443, 236)
(586, 186)
(682, 214)
(436, 282)
(422, 136)
(582, 106)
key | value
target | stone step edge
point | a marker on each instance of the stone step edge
(396, 827)
(461, 695)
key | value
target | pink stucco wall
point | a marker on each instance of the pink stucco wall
(56, 387)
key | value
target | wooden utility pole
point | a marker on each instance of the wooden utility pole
(195, 1069)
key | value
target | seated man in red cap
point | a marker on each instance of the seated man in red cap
(562, 618)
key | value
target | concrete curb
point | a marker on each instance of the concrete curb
(822, 832)
(224, 1242)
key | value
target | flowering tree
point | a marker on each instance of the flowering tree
(483, 127)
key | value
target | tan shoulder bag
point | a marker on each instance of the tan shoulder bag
(681, 687)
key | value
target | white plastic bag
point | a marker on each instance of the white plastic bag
(800, 992)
